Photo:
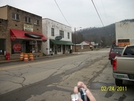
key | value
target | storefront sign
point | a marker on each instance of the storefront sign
(58, 37)
(17, 47)
(28, 27)
(33, 35)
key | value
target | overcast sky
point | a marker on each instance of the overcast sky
(78, 13)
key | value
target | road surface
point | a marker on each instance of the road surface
(53, 78)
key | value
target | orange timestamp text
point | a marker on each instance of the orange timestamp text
(113, 88)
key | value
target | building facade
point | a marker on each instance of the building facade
(20, 31)
(59, 37)
(124, 33)
(83, 46)
(3, 36)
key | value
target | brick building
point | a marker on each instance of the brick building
(20, 31)
(83, 46)
(3, 36)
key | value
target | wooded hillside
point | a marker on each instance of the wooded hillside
(104, 35)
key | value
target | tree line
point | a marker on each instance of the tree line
(101, 35)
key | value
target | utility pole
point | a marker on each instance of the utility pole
(75, 38)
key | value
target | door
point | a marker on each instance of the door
(63, 49)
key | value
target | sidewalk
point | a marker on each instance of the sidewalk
(15, 60)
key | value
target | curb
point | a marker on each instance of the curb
(17, 60)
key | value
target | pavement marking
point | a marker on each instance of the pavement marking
(12, 67)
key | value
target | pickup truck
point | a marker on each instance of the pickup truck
(123, 66)
(115, 51)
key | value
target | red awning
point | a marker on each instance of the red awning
(19, 34)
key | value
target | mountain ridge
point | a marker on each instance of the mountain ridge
(102, 35)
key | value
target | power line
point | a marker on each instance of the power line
(61, 12)
(104, 11)
(97, 13)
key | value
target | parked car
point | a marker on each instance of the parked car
(123, 66)
(115, 51)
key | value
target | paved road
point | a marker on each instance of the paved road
(53, 79)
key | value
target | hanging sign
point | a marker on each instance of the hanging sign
(58, 37)
(28, 27)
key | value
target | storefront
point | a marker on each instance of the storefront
(27, 42)
(60, 46)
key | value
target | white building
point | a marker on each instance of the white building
(124, 33)
(59, 37)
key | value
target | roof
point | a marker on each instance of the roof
(84, 43)
(87, 42)
(55, 21)
(20, 9)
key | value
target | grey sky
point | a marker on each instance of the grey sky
(79, 13)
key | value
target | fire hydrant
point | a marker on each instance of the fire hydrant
(7, 56)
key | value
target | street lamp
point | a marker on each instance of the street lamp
(75, 36)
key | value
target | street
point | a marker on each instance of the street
(53, 78)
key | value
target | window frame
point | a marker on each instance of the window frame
(27, 19)
(37, 22)
(15, 16)
(52, 31)
(68, 35)
(61, 32)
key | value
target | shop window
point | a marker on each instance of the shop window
(39, 46)
(52, 31)
(16, 47)
(62, 33)
(15, 16)
(26, 46)
(35, 46)
(59, 48)
(2, 46)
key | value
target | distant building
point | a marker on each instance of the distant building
(59, 37)
(83, 46)
(20, 31)
(124, 33)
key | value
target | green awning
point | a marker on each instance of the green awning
(60, 42)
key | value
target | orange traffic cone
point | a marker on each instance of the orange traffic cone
(21, 56)
(25, 57)
(31, 57)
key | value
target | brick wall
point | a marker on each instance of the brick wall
(10, 23)
(78, 48)
(3, 28)
(19, 24)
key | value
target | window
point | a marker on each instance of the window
(52, 31)
(37, 22)
(68, 35)
(129, 51)
(15, 16)
(62, 33)
(27, 20)
(2, 46)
